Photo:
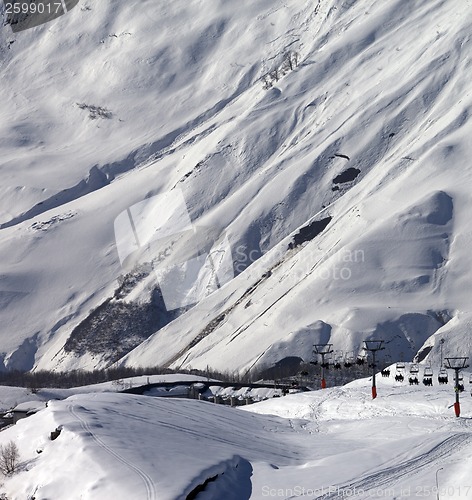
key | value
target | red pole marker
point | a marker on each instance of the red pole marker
(323, 383)
(457, 409)
(374, 392)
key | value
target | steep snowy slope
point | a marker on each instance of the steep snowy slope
(264, 119)
(393, 262)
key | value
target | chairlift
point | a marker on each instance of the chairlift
(428, 381)
(349, 361)
(399, 377)
(442, 376)
(428, 372)
(327, 361)
(400, 366)
(414, 369)
(428, 376)
(360, 360)
(338, 360)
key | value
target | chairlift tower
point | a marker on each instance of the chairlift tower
(373, 346)
(323, 350)
(456, 364)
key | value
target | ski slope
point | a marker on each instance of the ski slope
(121, 101)
(323, 444)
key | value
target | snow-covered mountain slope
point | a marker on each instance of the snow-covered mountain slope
(264, 119)
(335, 443)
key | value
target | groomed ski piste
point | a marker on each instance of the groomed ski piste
(324, 444)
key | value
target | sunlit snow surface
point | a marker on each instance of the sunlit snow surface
(323, 444)
(122, 100)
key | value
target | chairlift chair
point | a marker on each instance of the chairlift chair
(349, 361)
(360, 360)
(400, 366)
(328, 361)
(442, 376)
(399, 377)
(414, 370)
(428, 372)
(428, 376)
(428, 381)
(338, 358)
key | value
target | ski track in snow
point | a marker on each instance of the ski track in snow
(390, 476)
(151, 493)
(338, 437)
